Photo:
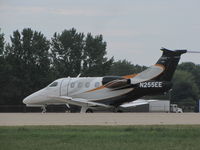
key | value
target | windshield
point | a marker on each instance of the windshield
(54, 84)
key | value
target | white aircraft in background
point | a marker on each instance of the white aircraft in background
(109, 92)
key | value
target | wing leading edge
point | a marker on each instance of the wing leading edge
(85, 104)
(79, 102)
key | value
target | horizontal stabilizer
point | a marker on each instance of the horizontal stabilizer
(135, 103)
(193, 51)
(181, 50)
(173, 52)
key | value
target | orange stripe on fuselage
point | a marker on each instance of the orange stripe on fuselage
(98, 88)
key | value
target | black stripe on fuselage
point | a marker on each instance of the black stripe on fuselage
(118, 100)
(134, 94)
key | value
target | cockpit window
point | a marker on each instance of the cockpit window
(53, 84)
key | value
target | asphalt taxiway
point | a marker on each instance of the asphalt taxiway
(21, 119)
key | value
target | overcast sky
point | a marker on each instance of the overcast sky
(133, 29)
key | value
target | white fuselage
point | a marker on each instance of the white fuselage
(89, 88)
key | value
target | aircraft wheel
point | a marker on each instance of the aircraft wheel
(89, 111)
(119, 111)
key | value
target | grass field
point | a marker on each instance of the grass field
(100, 138)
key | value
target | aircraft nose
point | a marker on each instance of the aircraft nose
(34, 98)
(26, 100)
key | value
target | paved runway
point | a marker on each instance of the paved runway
(21, 119)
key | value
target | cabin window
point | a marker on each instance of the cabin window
(87, 84)
(53, 84)
(97, 84)
(72, 85)
(80, 84)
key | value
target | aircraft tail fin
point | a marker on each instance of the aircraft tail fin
(163, 70)
(169, 60)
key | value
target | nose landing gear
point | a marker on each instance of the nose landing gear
(43, 109)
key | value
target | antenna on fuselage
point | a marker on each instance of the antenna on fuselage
(78, 75)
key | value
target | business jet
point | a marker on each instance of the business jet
(109, 92)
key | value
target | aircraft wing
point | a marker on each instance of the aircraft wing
(79, 102)
(136, 103)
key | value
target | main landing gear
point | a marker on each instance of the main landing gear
(117, 110)
(86, 110)
(89, 111)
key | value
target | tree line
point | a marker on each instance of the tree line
(30, 61)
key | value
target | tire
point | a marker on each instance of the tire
(119, 111)
(89, 111)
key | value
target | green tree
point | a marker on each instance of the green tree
(194, 69)
(124, 67)
(73, 54)
(27, 65)
(95, 63)
(67, 53)
(3, 74)
(185, 90)
(2, 42)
